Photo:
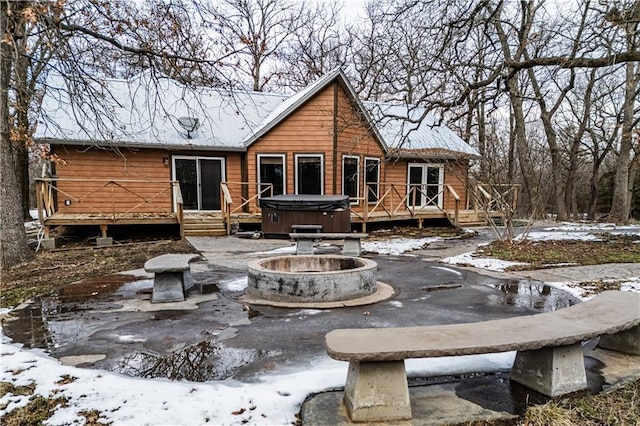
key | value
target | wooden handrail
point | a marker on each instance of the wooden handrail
(227, 201)
(47, 187)
(227, 198)
(456, 197)
(177, 197)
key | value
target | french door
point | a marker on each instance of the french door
(200, 179)
(425, 184)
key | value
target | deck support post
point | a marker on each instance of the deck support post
(420, 220)
(377, 391)
(552, 371)
(104, 241)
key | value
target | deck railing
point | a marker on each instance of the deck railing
(496, 197)
(237, 190)
(393, 203)
(103, 197)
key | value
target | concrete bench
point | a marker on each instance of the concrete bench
(172, 276)
(307, 228)
(549, 355)
(350, 247)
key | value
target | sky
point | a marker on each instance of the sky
(274, 399)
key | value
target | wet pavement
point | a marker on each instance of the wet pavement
(109, 323)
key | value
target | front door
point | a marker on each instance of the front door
(425, 184)
(200, 179)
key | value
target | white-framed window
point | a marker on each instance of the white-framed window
(272, 170)
(372, 178)
(199, 179)
(351, 177)
(309, 178)
(425, 183)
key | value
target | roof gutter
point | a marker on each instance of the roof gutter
(88, 143)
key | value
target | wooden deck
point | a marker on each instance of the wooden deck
(154, 202)
(213, 223)
(108, 219)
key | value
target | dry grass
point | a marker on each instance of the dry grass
(619, 407)
(48, 271)
(541, 254)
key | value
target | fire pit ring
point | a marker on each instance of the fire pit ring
(315, 278)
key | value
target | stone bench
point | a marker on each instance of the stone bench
(307, 228)
(172, 276)
(549, 355)
(350, 247)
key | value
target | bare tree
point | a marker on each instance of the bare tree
(316, 48)
(68, 33)
(254, 33)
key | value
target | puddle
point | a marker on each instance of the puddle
(168, 315)
(200, 362)
(526, 294)
(27, 326)
(92, 288)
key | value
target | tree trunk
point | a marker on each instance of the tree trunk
(620, 203)
(13, 238)
(522, 147)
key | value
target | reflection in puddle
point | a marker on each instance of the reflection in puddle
(537, 296)
(199, 362)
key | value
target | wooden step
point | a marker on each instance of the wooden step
(204, 233)
(209, 225)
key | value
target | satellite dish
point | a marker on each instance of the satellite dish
(190, 124)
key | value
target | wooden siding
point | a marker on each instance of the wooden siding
(308, 130)
(91, 170)
(455, 174)
(357, 140)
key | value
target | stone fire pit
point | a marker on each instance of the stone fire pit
(325, 278)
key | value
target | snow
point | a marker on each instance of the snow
(235, 284)
(275, 397)
(397, 246)
(467, 259)
(558, 236)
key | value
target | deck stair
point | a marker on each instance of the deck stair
(204, 224)
(471, 218)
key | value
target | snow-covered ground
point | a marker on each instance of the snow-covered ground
(273, 400)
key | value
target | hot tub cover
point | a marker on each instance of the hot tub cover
(306, 202)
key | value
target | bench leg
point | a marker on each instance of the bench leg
(551, 371)
(168, 287)
(304, 247)
(351, 248)
(627, 341)
(377, 391)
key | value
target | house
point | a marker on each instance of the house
(157, 152)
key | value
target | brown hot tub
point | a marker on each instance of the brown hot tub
(281, 212)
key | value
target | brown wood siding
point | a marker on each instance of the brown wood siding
(95, 168)
(234, 178)
(308, 130)
(455, 174)
(355, 139)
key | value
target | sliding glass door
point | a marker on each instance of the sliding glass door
(200, 179)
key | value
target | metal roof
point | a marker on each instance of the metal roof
(144, 111)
